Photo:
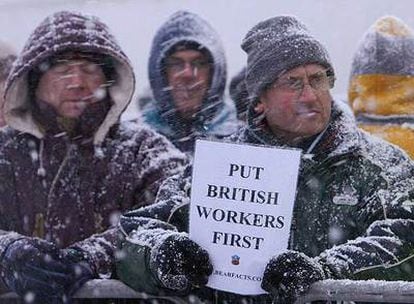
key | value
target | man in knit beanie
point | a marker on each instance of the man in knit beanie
(382, 81)
(350, 185)
(278, 49)
(288, 77)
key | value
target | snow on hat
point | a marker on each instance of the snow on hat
(382, 73)
(277, 45)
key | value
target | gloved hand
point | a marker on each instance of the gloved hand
(180, 264)
(291, 274)
(32, 265)
(80, 269)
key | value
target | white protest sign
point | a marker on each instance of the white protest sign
(242, 199)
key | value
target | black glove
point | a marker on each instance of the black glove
(291, 274)
(80, 269)
(180, 264)
(32, 268)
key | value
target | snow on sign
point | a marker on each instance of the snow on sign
(241, 209)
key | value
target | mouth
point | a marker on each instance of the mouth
(81, 99)
(189, 87)
(78, 104)
(307, 111)
(187, 93)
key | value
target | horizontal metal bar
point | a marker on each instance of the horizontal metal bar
(364, 291)
(328, 290)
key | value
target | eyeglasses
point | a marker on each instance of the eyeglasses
(320, 81)
(87, 67)
(178, 65)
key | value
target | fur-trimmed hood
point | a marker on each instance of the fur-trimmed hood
(60, 32)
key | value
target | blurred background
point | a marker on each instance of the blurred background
(339, 24)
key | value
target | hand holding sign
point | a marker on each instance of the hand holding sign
(290, 275)
(179, 263)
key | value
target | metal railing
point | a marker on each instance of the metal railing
(360, 291)
(328, 290)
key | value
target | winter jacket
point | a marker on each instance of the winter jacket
(348, 181)
(71, 190)
(381, 82)
(216, 117)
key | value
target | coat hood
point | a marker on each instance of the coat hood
(61, 32)
(184, 26)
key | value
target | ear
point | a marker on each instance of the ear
(259, 108)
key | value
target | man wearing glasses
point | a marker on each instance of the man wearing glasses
(187, 73)
(353, 207)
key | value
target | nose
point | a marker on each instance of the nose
(188, 70)
(307, 93)
(76, 78)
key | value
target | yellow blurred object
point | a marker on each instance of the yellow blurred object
(381, 88)
(381, 94)
(397, 134)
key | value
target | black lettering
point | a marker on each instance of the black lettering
(261, 197)
(235, 240)
(252, 195)
(233, 168)
(258, 170)
(224, 192)
(281, 220)
(212, 191)
(246, 241)
(202, 211)
(257, 218)
(231, 216)
(216, 236)
(244, 218)
(258, 241)
(218, 215)
(234, 194)
(272, 196)
(269, 219)
(243, 198)
(244, 174)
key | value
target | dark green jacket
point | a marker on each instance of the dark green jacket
(353, 208)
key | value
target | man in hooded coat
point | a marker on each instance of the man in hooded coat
(353, 207)
(187, 73)
(68, 168)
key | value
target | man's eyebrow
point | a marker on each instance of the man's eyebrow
(292, 77)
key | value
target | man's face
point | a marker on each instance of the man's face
(188, 75)
(70, 86)
(298, 104)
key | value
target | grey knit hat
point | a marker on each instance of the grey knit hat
(277, 45)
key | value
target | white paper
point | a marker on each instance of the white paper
(239, 226)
